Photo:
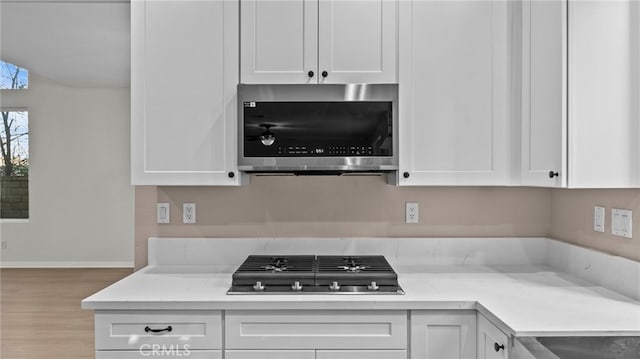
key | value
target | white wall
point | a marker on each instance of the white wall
(81, 202)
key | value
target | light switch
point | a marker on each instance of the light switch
(598, 218)
(162, 213)
(621, 220)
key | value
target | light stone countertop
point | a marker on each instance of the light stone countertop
(522, 300)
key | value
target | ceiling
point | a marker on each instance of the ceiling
(79, 43)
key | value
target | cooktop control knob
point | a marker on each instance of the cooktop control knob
(373, 286)
(334, 287)
(258, 287)
(296, 287)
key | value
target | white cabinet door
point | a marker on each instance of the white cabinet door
(492, 342)
(544, 93)
(315, 329)
(443, 334)
(270, 354)
(313, 354)
(581, 85)
(184, 73)
(279, 41)
(604, 97)
(454, 99)
(312, 41)
(361, 354)
(160, 352)
(357, 41)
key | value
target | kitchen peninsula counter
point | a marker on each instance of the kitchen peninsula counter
(524, 301)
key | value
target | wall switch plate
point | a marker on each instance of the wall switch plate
(189, 213)
(412, 214)
(163, 213)
(598, 219)
(4, 244)
(621, 220)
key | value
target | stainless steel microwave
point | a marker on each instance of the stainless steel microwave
(318, 129)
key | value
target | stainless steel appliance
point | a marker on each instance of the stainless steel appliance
(318, 129)
(309, 274)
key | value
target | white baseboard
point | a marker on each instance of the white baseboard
(37, 264)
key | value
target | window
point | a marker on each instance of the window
(13, 77)
(14, 148)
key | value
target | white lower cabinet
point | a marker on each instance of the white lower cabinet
(361, 354)
(492, 342)
(316, 354)
(270, 354)
(298, 334)
(316, 329)
(172, 334)
(160, 353)
(437, 334)
(316, 334)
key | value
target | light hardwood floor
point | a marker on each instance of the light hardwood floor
(40, 311)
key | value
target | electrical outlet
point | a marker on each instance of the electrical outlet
(598, 218)
(163, 213)
(4, 244)
(188, 213)
(411, 212)
(621, 220)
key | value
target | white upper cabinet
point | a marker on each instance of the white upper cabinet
(581, 98)
(603, 101)
(184, 73)
(318, 41)
(454, 65)
(357, 41)
(544, 94)
(279, 41)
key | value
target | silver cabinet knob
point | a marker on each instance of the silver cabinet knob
(373, 286)
(334, 287)
(296, 287)
(258, 287)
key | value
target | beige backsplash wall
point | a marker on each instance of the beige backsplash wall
(572, 219)
(341, 207)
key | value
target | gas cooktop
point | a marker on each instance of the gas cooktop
(310, 274)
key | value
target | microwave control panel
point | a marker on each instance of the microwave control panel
(325, 151)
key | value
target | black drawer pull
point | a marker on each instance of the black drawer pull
(498, 347)
(149, 330)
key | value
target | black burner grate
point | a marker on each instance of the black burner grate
(276, 270)
(355, 270)
(315, 271)
(261, 263)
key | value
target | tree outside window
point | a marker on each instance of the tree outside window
(14, 148)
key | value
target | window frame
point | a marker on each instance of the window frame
(20, 109)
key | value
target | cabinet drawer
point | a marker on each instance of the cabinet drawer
(319, 329)
(361, 354)
(270, 354)
(132, 330)
(159, 353)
